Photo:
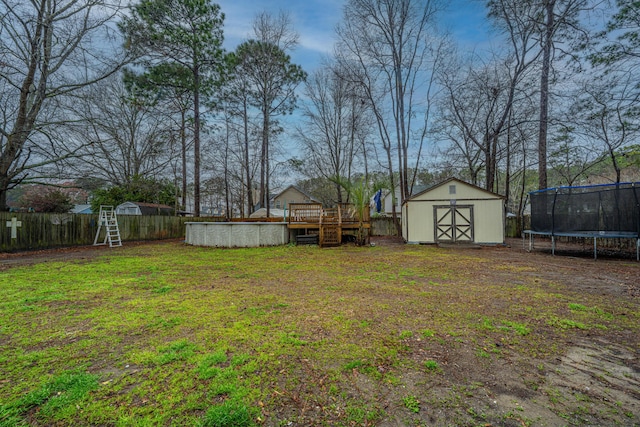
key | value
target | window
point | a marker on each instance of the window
(452, 189)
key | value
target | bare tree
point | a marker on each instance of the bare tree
(607, 114)
(129, 131)
(239, 107)
(49, 49)
(479, 102)
(177, 102)
(389, 49)
(335, 121)
(552, 24)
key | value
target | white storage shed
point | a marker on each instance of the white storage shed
(454, 212)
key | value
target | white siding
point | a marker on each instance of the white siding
(488, 212)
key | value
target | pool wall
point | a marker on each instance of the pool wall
(236, 234)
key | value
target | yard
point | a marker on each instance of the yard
(167, 334)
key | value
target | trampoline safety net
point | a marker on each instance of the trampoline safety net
(597, 209)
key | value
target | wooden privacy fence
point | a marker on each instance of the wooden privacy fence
(383, 226)
(40, 230)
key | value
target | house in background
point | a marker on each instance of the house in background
(273, 213)
(454, 212)
(387, 201)
(209, 211)
(291, 194)
(139, 208)
(82, 209)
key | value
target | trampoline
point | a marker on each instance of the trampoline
(608, 211)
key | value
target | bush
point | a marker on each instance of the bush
(46, 200)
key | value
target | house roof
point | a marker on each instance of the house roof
(81, 209)
(273, 213)
(148, 208)
(298, 189)
(416, 190)
(448, 181)
(148, 205)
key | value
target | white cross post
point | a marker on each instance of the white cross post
(14, 224)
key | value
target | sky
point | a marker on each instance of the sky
(315, 21)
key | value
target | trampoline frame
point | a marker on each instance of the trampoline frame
(587, 234)
(584, 235)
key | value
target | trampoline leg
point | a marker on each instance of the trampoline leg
(595, 249)
(553, 245)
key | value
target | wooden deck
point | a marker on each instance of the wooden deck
(331, 224)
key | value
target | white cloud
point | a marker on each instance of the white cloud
(315, 20)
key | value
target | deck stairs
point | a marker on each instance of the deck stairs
(330, 229)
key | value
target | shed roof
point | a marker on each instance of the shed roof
(148, 208)
(449, 181)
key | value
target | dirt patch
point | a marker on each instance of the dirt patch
(612, 273)
(23, 258)
(598, 371)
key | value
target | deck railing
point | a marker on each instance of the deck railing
(315, 214)
(305, 213)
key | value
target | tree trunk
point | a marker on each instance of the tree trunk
(29, 103)
(507, 177)
(494, 163)
(488, 162)
(247, 166)
(4, 186)
(196, 143)
(544, 94)
(394, 214)
(264, 163)
(183, 143)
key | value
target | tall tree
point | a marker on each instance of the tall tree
(607, 113)
(477, 105)
(187, 33)
(239, 107)
(335, 121)
(164, 83)
(389, 49)
(552, 23)
(480, 94)
(50, 50)
(129, 133)
(273, 80)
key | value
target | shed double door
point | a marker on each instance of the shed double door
(453, 224)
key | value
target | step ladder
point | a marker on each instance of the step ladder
(107, 219)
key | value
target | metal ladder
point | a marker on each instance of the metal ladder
(108, 219)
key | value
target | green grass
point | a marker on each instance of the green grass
(411, 403)
(167, 334)
(58, 398)
(229, 414)
(432, 366)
